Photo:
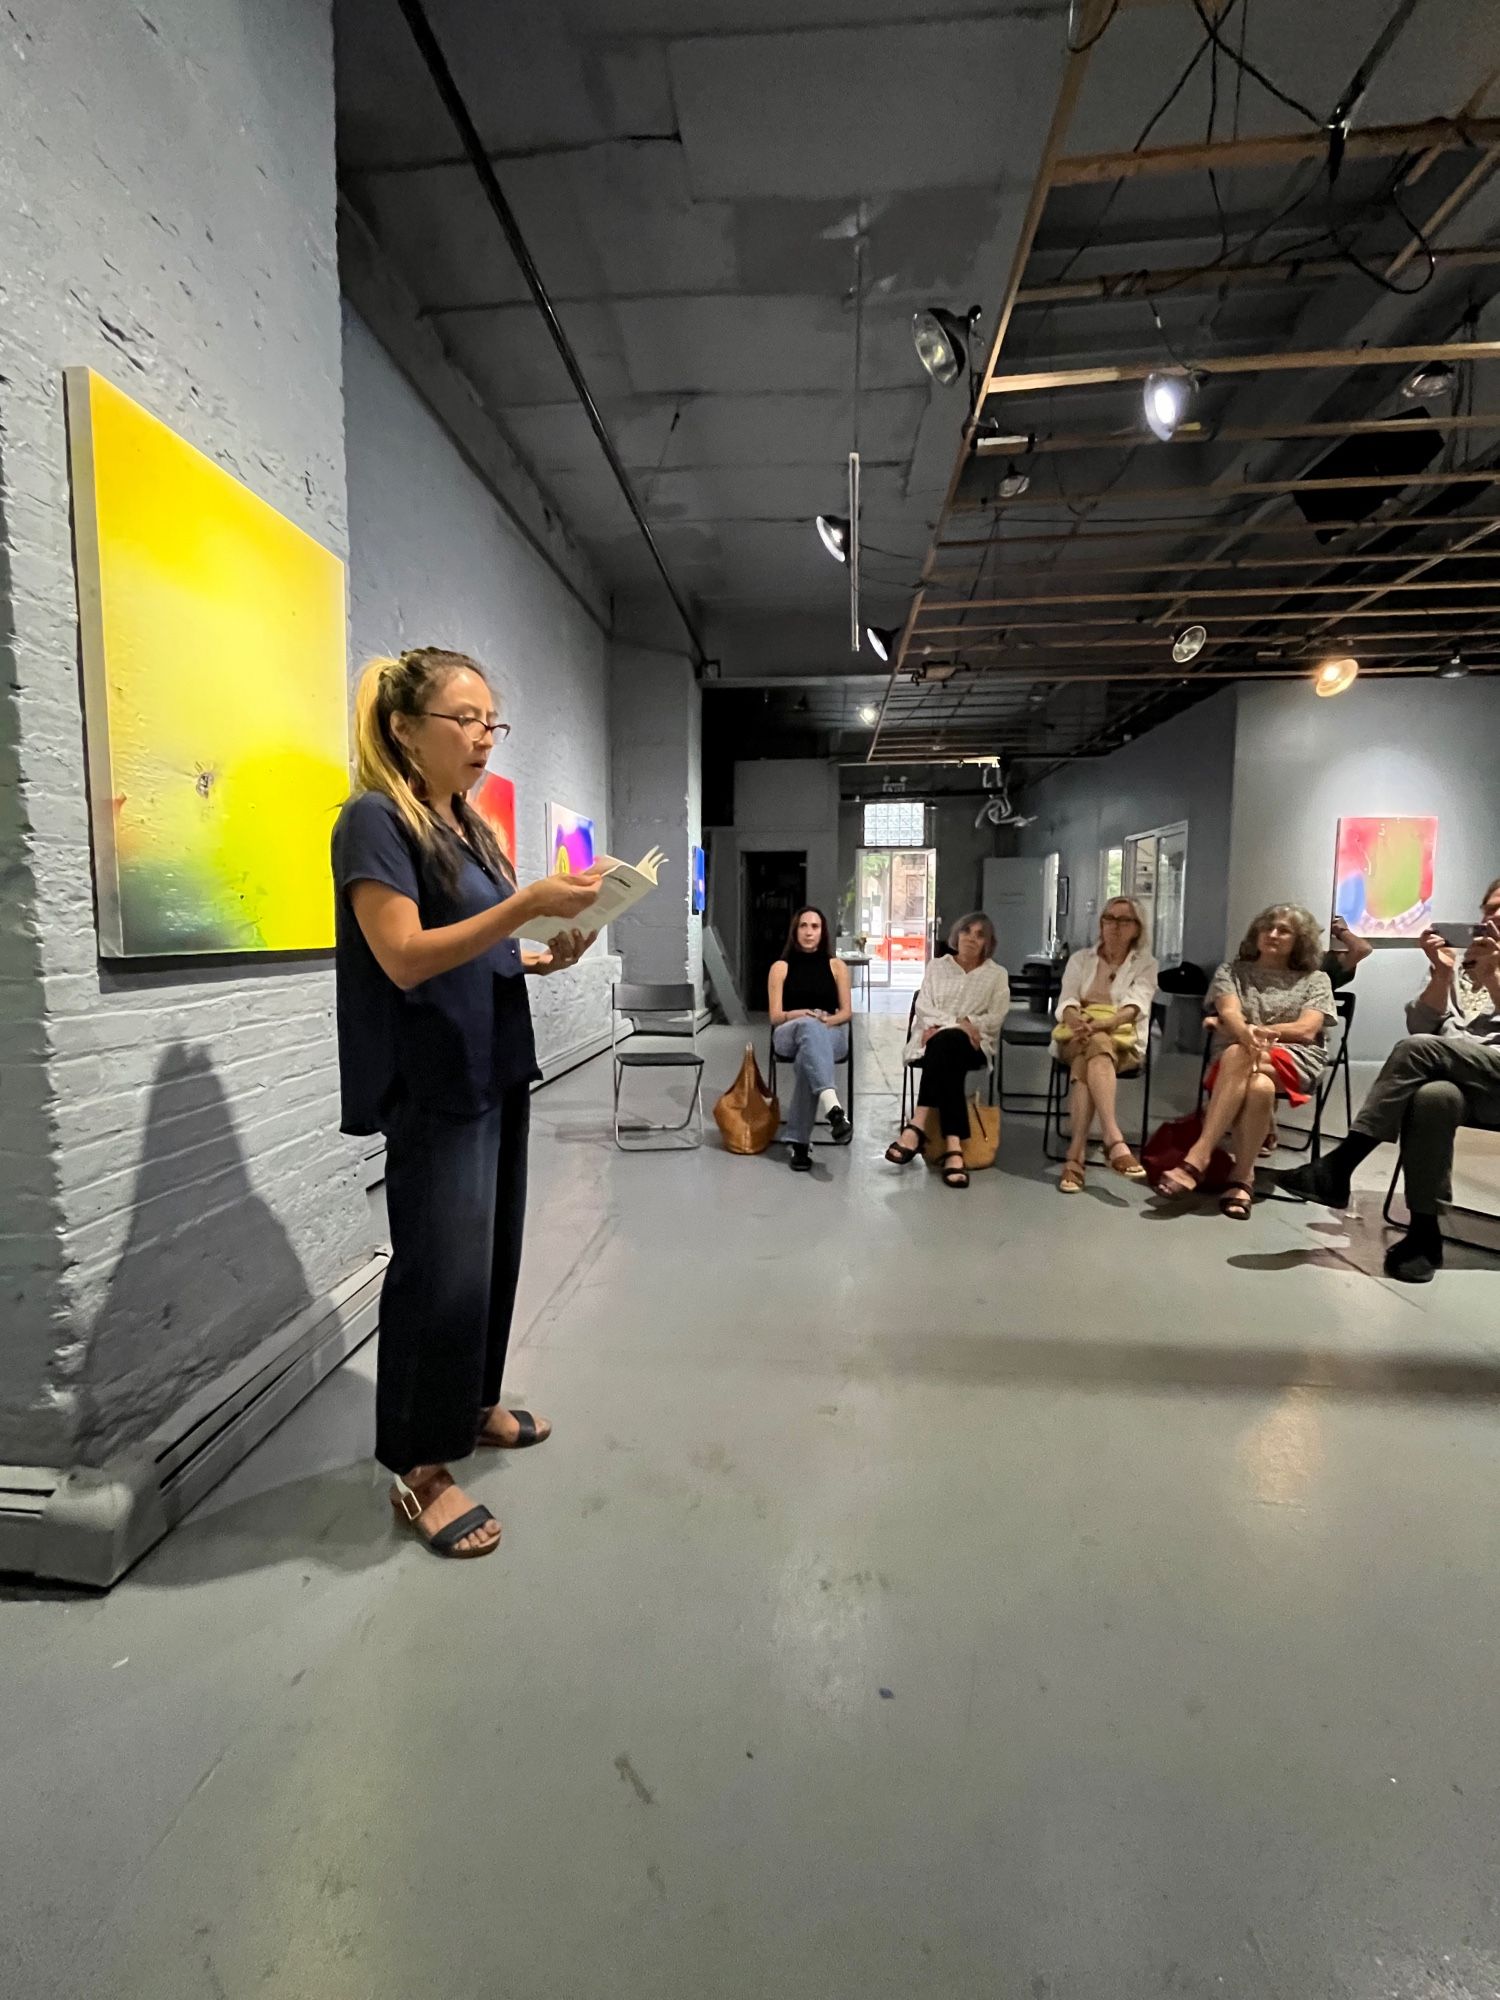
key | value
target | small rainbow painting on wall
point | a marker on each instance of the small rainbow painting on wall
(214, 694)
(570, 841)
(1382, 878)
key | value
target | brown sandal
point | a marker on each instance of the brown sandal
(1071, 1179)
(1130, 1167)
(1236, 1201)
(1194, 1179)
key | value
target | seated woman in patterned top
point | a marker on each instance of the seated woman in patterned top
(1271, 1006)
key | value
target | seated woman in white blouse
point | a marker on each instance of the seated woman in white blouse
(1103, 1017)
(964, 999)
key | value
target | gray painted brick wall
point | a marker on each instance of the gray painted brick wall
(173, 1180)
(434, 560)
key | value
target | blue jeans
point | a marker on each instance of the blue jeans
(812, 1048)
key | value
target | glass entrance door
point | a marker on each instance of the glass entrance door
(894, 898)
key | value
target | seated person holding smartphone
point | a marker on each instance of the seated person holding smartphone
(1443, 1074)
(1346, 953)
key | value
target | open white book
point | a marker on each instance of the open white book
(621, 887)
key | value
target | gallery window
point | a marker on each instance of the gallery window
(895, 823)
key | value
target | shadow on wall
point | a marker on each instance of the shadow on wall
(207, 1271)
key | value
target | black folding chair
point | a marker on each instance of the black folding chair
(1388, 1214)
(845, 1062)
(1028, 1027)
(1311, 1137)
(656, 1014)
(1060, 1082)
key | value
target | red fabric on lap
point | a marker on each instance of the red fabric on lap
(1283, 1068)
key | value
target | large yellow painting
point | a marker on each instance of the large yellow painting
(214, 694)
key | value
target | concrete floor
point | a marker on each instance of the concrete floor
(957, 1595)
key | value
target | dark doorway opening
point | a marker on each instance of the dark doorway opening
(775, 889)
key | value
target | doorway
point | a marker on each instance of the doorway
(895, 912)
(775, 888)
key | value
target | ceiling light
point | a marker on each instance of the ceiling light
(1453, 668)
(1167, 400)
(869, 715)
(1189, 643)
(1433, 378)
(1014, 483)
(834, 530)
(941, 339)
(882, 639)
(1334, 676)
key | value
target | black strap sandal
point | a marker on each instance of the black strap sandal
(902, 1156)
(1236, 1201)
(529, 1434)
(444, 1541)
(955, 1173)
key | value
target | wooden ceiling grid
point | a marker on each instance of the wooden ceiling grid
(1267, 617)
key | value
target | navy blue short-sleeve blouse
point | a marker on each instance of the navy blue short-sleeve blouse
(458, 1041)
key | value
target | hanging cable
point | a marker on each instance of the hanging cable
(1214, 31)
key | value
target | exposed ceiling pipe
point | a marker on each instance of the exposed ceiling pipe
(437, 68)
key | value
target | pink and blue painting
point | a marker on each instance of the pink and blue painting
(570, 841)
(1382, 877)
(700, 882)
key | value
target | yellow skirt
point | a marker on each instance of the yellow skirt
(1126, 1047)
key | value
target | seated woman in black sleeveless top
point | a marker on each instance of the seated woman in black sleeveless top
(810, 1017)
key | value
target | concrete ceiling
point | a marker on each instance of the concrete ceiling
(690, 193)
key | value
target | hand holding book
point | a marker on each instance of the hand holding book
(614, 887)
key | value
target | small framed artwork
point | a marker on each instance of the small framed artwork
(570, 841)
(1383, 874)
(1064, 895)
(700, 881)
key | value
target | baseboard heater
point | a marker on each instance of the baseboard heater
(89, 1524)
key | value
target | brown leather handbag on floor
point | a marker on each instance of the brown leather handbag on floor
(982, 1143)
(747, 1114)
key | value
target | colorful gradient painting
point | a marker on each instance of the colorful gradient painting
(570, 841)
(215, 694)
(1382, 878)
(700, 882)
(495, 798)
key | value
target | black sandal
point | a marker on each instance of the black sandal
(1236, 1201)
(955, 1173)
(529, 1434)
(409, 1507)
(902, 1156)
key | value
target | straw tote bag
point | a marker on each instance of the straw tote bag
(982, 1143)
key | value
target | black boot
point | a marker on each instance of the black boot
(1418, 1257)
(801, 1160)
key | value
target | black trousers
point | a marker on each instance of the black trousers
(455, 1191)
(947, 1062)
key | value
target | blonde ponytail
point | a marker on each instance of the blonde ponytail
(380, 764)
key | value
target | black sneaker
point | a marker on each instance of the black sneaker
(801, 1159)
(1319, 1181)
(839, 1125)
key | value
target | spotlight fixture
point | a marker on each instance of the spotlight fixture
(1453, 668)
(1166, 400)
(1189, 643)
(1334, 676)
(834, 532)
(882, 639)
(1014, 482)
(1432, 378)
(869, 715)
(941, 339)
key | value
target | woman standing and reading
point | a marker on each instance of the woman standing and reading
(436, 1053)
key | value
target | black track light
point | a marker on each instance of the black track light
(941, 339)
(882, 639)
(1453, 668)
(833, 529)
(1167, 400)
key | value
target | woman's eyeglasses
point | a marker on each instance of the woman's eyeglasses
(473, 726)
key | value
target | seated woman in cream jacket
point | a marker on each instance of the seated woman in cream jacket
(1103, 1017)
(964, 999)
